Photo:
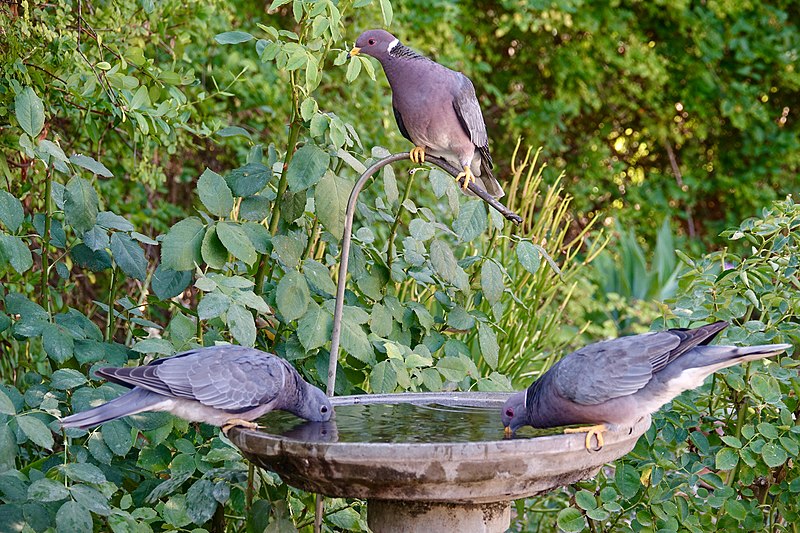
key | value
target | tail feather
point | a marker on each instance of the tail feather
(718, 357)
(130, 403)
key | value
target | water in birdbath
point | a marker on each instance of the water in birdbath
(398, 423)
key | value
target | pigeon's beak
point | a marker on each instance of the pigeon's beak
(353, 52)
(507, 432)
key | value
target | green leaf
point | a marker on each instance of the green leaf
(117, 436)
(129, 256)
(110, 220)
(452, 368)
(58, 344)
(66, 378)
(307, 167)
(180, 249)
(91, 499)
(528, 256)
(249, 179)
(319, 276)
(30, 111)
(383, 378)
(237, 242)
(353, 69)
(627, 480)
(735, 509)
(200, 502)
(91, 164)
(444, 262)
(314, 328)
(80, 204)
(492, 281)
(154, 345)
(585, 500)
(242, 325)
(330, 198)
(726, 459)
(292, 296)
(355, 341)
(36, 430)
(85, 472)
(215, 193)
(6, 405)
(11, 212)
(13, 250)
(386, 11)
(167, 283)
(773, 455)
(47, 490)
(93, 260)
(213, 305)
(232, 37)
(570, 520)
(490, 350)
(73, 517)
(213, 251)
(471, 220)
(421, 230)
(254, 208)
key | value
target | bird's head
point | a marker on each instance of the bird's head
(375, 43)
(318, 408)
(514, 414)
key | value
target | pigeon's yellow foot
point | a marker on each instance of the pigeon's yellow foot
(418, 155)
(467, 175)
(238, 422)
(591, 431)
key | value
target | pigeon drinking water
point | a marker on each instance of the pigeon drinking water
(435, 108)
(617, 382)
(220, 385)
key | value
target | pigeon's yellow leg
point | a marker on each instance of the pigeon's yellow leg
(467, 175)
(591, 431)
(418, 154)
(238, 422)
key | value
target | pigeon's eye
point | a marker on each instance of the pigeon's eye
(371, 41)
(323, 409)
(510, 413)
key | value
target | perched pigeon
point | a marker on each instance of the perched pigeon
(435, 108)
(221, 385)
(619, 381)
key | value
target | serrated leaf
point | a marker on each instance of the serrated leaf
(248, 180)
(314, 327)
(353, 69)
(47, 490)
(307, 167)
(443, 261)
(570, 520)
(200, 502)
(110, 220)
(66, 378)
(471, 220)
(773, 455)
(167, 283)
(129, 256)
(383, 378)
(180, 249)
(213, 251)
(92, 499)
(387, 12)
(452, 368)
(29, 109)
(6, 405)
(330, 198)
(14, 251)
(492, 281)
(80, 204)
(72, 517)
(11, 212)
(726, 459)
(528, 256)
(36, 431)
(235, 239)
(487, 339)
(91, 164)
(57, 342)
(213, 305)
(117, 436)
(215, 193)
(292, 296)
(319, 276)
(159, 346)
(242, 325)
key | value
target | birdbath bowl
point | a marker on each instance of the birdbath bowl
(426, 462)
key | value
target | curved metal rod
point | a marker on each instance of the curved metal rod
(348, 232)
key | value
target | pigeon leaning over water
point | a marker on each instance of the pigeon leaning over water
(220, 385)
(617, 382)
(435, 108)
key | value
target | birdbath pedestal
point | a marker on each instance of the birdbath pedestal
(426, 487)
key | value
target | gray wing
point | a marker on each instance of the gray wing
(614, 368)
(231, 378)
(468, 111)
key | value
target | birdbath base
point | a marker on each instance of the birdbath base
(394, 516)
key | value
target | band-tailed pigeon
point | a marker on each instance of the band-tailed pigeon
(435, 108)
(617, 382)
(220, 385)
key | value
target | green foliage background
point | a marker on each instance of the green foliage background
(175, 174)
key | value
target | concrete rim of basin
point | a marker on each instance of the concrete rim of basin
(468, 472)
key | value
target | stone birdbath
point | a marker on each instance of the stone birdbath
(401, 453)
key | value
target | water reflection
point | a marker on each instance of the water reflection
(398, 423)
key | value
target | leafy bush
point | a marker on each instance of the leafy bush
(723, 456)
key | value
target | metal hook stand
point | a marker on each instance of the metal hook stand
(342, 281)
(348, 231)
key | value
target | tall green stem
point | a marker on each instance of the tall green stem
(48, 188)
(393, 232)
(111, 297)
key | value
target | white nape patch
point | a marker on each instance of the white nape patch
(525, 400)
(392, 45)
